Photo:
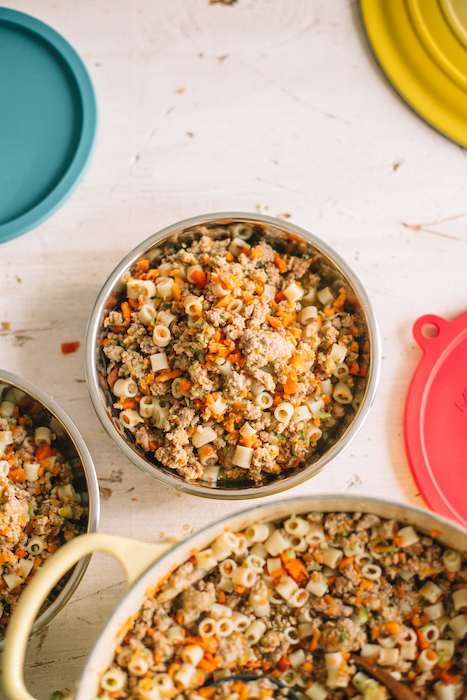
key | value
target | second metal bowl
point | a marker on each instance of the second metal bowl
(287, 238)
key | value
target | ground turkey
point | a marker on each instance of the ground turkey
(231, 650)
(345, 636)
(261, 347)
(198, 601)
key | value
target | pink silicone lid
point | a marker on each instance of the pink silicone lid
(435, 419)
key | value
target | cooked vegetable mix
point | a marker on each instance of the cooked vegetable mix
(229, 360)
(39, 509)
(293, 599)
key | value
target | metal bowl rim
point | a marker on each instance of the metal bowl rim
(92, 487)
(276, 486)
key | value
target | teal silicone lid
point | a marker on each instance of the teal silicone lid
(47, 121)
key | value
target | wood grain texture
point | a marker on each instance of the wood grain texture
(208, 108)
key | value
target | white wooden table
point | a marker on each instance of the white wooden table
(208, 107)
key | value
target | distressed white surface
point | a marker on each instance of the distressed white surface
(208, 108)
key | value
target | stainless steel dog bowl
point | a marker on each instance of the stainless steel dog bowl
(283, 236)
(43, 410)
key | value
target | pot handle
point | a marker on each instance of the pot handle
(134, 556)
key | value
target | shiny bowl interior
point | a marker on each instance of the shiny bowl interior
(284, 237)
(44, 411)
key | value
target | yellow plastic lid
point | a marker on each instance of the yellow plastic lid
(421, 45)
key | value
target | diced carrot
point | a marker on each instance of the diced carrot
(126, 312)
(363, 370)
(207, 692)
(450, 678)
(355, 369)
(274, 321)
(129, 403)
(345, 562)
(366, 584)
(435, 533)
(20, 553)
(68, 348)
(290, 386)
(224, 301)
(296, 569)
(43, 452)
(165, 376)
(228, 256)
(423, 642)
(207, 665)
(296, 332)
(280, 264)
(142, 265)
(185, 385)
(199, 278)
(392, 627)
(283, 664)
(134, 304)
(375, 631)
(315, 639)
(113, 376)
(51, 547)
(221, 597)
(37, 562)
(256, 252)
(176, 292)
(17, 474)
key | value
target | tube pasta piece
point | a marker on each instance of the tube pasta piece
(7, 408)
(284, 412)
(191, 272)
(129, 418)
(458, 625)
(146, 406)
(313, 434)
(165, 318)
(430, 591)
(316, 691)
(274, 451)
(164, 288)
(235, 306)
(224, 545)
(160, 413)
(269, 291)
(327, 387)
(219, 290)
(263, 400)
(276, 543)
(342, 393)
(161, 336)
(427, 659)
(211, 474)
(297, 526)
(307, 315)
(372, 572)
(237, 246)
(317, 585)
(371, 651)
(315, 404)
(224, 627)
(407, 536)
(184, 676)
(286, 587)
(31, 470)
(301, 414)
(247, 431)
(4, 468)
(125, 388)
(225, 367)
(159, 361)
(202, 436)
(242, 457)
(452, 560)
(113, 680)
(293, 292)
(192, 654)
(244, 576)
(332, 557)
(193, 305)
(241, 622)
(207, 627)
(175, 634)
(298, 599)
(42, 436)
(255, 563)
(219, 406)
(325, 296)
(205, 560)
(254, 632)
(146, 314)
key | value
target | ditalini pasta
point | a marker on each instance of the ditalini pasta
(232, 333)
(251, 603)
(39, 509)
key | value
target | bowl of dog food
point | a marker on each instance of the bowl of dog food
(232, 355)
(49, 494)
(331, 596)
